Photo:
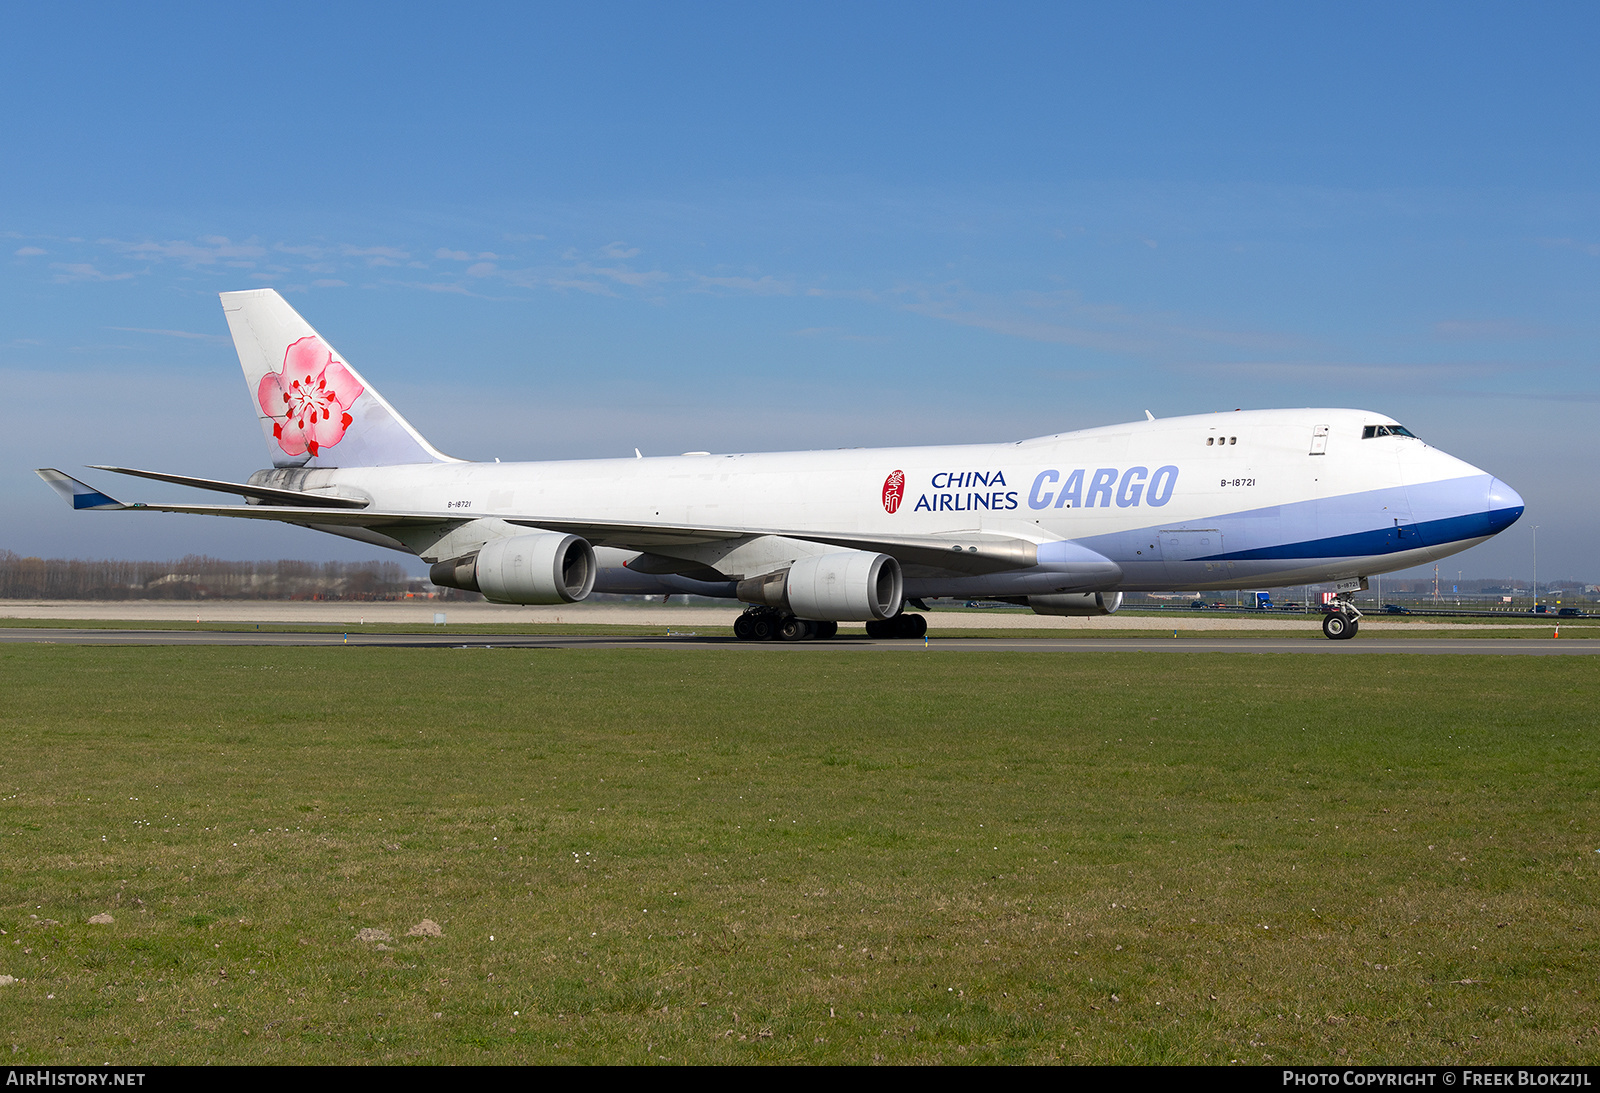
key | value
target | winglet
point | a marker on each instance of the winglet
(77, 494)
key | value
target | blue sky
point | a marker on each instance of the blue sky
(738, 227)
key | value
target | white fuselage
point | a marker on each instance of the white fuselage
(1265, 498)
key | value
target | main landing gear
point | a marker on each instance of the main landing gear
(1342, 619)
(902, 625)
(768, 624)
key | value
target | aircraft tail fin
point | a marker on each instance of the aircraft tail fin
(315, 410)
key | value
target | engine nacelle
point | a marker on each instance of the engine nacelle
(1076, 603)
(526, 569)
(846, 586)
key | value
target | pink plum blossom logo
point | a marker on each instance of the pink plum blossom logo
(309, 401)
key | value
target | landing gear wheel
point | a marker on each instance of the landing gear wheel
(901, 626)
(910, 626)
(826, 629)
(1337, 627)
(743, 628)
(761, 628)
(793, 629)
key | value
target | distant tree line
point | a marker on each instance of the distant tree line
(198, 577)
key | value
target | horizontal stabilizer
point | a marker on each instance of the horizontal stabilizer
(260, 493)
(77, 494)
(303, 515)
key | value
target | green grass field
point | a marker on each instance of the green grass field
(724, 856)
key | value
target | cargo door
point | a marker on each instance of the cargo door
(1184, 550)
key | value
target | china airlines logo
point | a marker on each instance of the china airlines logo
(309, 401)
(894, 488)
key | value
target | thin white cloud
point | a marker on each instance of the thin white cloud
(1033, 330)
(1591, 249)
(1537, 396)
(29, 252)
(370, 252)
(752, 286)
(376, 256)
(1342, 374)
(594, 288)
(1063, 317)
(169, 333)
(69, 272)
(1485, 330)
(208, 250)
(1060, 317)
(835, 333)
(623, 275)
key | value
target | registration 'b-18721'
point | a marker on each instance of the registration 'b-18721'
(806, 540)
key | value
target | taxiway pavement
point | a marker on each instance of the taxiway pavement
(1311, 642)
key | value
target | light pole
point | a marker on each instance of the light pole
(1536, 566)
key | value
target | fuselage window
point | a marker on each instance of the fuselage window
(1209, 441)
(1233, 440)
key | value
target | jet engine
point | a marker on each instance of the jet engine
(1076, 603)
(846, 586)
(526, 569)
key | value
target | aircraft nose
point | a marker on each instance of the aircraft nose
(1503, 506)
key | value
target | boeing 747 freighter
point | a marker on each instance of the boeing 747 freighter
(1064, 524)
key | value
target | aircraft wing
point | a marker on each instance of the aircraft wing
(961, 552)
(965, 552)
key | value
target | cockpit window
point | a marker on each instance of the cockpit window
(1386, 430)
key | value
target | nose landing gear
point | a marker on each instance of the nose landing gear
(1342, 619)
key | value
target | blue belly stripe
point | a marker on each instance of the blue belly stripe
(1389, 540)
